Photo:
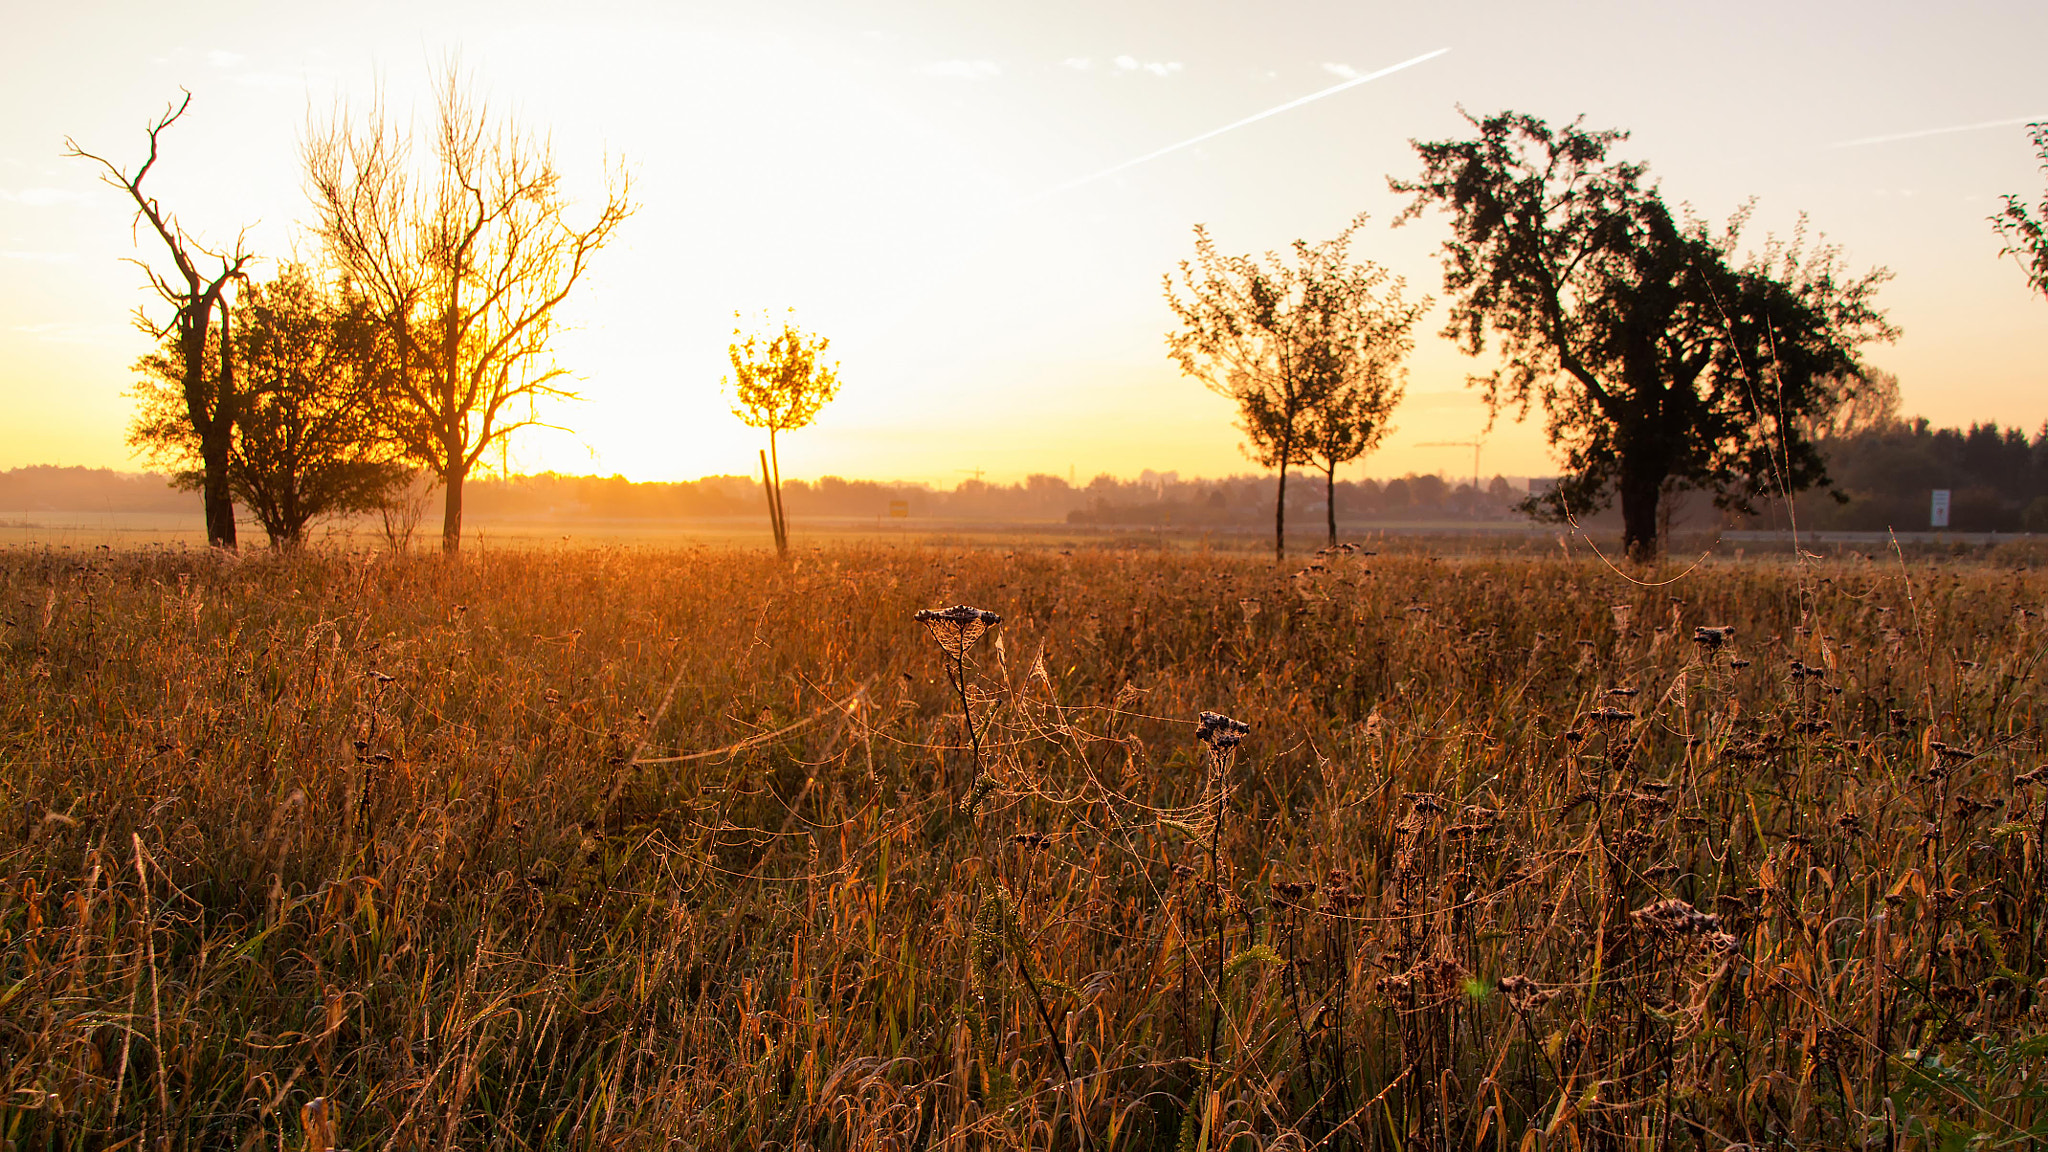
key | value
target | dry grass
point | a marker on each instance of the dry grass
(1509, 859)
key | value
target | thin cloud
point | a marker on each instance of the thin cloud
(1211, 134)
(270, 81)
(41, 197)
(1077, 63)
(1915, 135)
(222, 58)
(1159, 68)
(1341, 71)
(69, 333)
(963, 69)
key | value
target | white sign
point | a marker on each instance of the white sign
(1937, 516)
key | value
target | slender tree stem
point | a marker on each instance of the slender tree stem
(775, 486)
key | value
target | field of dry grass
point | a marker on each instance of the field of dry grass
(636, 849)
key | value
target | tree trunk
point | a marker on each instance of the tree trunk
(1330, 499)
(216, 441)
(219, 501)
(1640, 494)
(1280, 514)
(1280, 500)
(774, 516)
(451, 507)
(781, 518)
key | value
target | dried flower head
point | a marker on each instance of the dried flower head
(1523, 993)
(1713, 638)
(1220, 731)
(1950, 754)
(1293, 892)
(1425, 801)
(1222, 735)
(957, 628)
(1674, 918)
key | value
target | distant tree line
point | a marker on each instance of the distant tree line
(1151, 499)
(57, 488)
(1997, 479)
(1884, 473)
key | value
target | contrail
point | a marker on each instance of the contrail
(1938, 131)
(1155, 154)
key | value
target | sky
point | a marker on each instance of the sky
(910, 177)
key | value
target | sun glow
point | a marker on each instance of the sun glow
(882, 169)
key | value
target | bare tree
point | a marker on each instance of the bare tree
(207, 390)
(466, 262)
(1283, 340)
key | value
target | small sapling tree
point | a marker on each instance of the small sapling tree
(779, 382)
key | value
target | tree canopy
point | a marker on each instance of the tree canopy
(1307, 347)
(2025, 233)
(1661, 359)
(308, 442)
(780, 382)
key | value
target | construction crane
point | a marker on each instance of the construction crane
(1473, 445)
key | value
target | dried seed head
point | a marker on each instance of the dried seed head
(1222, 735)
(1523, 993)
(957, 628)
(1714, 637)
(1425, 801)
(992, 921)
(1949, 754)
(1220, 731)
(959, 614)
(1674, 918)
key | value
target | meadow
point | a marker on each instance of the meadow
(699, 848)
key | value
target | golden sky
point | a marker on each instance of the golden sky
(883, 167)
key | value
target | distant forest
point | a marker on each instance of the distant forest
(1998, 477)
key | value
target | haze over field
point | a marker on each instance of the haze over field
(885, 168)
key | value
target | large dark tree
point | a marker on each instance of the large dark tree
(1308, 349)
(1661, 360)
(308, 442)
(207, 397)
